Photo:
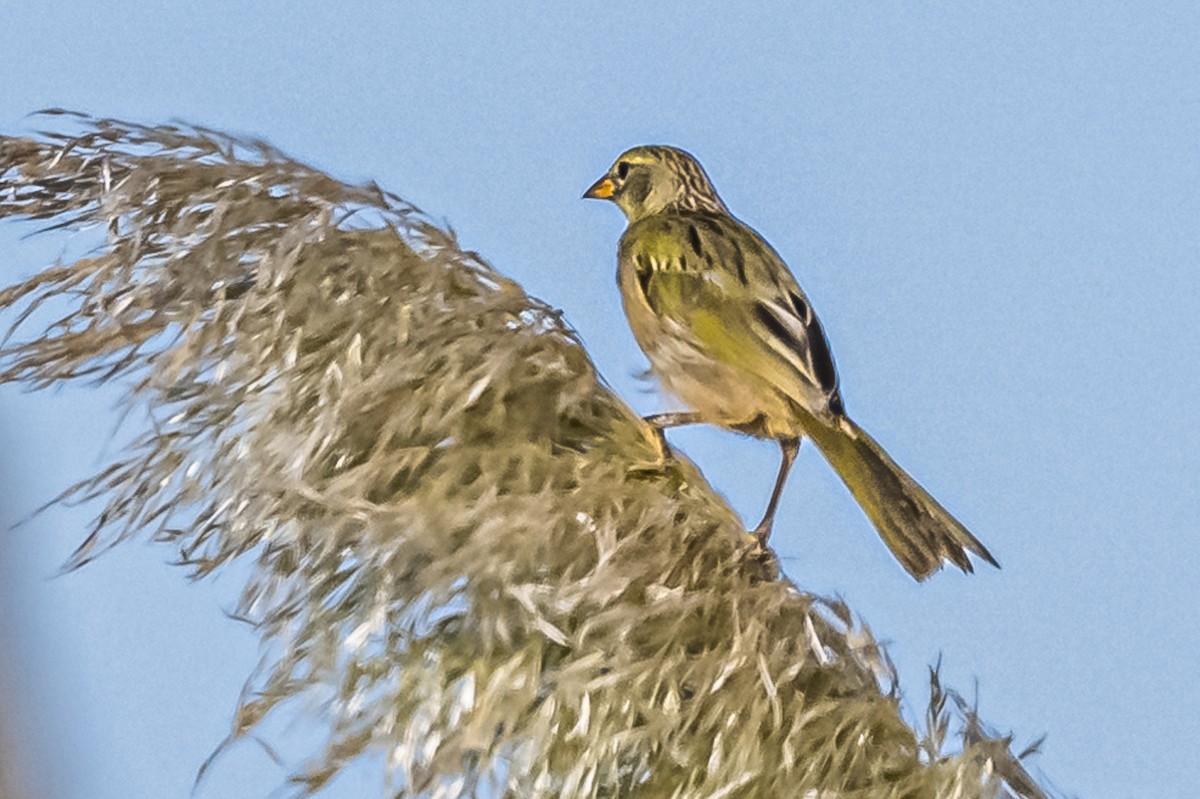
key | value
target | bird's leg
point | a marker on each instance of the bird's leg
(789, 447)
(674, 419)
(661, 421)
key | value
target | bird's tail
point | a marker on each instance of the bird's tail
(918, 530)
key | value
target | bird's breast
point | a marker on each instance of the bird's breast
(724, 394)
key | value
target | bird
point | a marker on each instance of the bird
(731, 335)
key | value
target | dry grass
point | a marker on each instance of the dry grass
(465, 546)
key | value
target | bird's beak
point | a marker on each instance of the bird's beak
(602, 189)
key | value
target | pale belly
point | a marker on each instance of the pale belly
(724, 395)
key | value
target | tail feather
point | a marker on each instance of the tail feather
(919, 531)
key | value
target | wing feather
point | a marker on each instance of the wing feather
(694, 266)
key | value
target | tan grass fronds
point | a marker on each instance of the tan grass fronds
(465, 546)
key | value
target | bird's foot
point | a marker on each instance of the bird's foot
(659, 422)
(762, 533)
(665, 453)
(658, 463)
(761, 556)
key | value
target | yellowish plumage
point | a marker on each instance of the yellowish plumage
(730, 333)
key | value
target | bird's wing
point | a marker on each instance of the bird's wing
(720, 281)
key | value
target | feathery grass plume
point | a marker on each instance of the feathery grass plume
(464, 545)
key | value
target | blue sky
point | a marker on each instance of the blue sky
(993, 208)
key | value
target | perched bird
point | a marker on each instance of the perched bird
(729, 332)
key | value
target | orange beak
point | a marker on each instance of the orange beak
(602, 189)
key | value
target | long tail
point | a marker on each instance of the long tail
(918, 530)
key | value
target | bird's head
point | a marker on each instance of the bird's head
(652, 179)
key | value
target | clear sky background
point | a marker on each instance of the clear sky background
(994, 207)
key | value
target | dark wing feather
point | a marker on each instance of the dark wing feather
(699, 262)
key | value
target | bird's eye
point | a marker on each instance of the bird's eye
(623, 170)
